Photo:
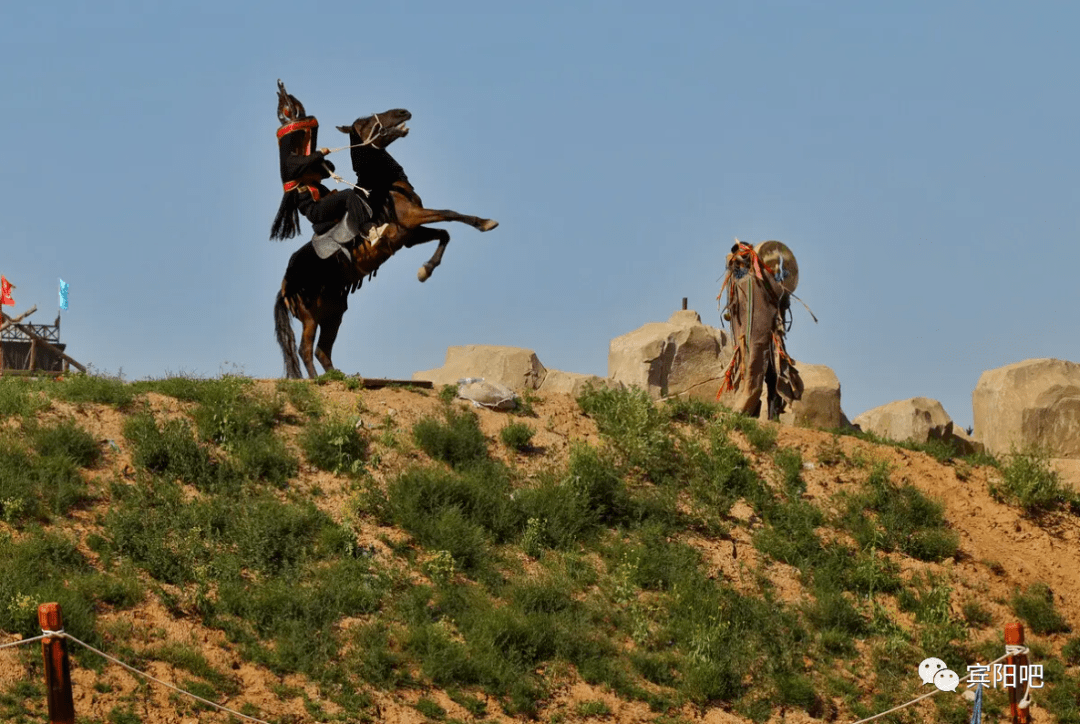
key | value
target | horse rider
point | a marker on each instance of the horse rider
(760, 282)
(303, 168)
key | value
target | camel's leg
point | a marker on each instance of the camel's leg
(422, 235)
(415, 216)
(327, 335)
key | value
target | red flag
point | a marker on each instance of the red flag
(5, 292)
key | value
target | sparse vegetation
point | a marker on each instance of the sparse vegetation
(1028, 481)
(502, 582)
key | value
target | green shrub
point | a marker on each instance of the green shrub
(976, 614)
(788, 535)
(41, 568)
(888, 516)
(169, 450)
(457, 440)
(372, 657)
(264, 456)
(334, 445)
(636, 428)
(698, 412)
(572, 506)
(67, 440)
(1036, 607)
(228, 411)
(32, 487)
(720, 475)
(1070, 652)
(1028, 481)
(790, 463)
(517, 436)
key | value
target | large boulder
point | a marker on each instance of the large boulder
(680, 357)
(820, 402)
(573, 383)
(918, 419)
(1035, 403)
(514, 367)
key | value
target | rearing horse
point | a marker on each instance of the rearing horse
(315, 290)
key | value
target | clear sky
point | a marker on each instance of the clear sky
(920, 159)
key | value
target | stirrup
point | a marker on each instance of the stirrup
(374, 233)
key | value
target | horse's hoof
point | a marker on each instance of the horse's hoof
(424, 274)
(488, 224)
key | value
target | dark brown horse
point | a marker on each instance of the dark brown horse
(316, 291)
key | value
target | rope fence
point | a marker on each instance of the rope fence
(916, 700)
(60, 682)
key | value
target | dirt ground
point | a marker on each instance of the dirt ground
(1000, 552)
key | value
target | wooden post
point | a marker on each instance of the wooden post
(33, 354)
(57, 666)
(684, 303)
(1014, 636)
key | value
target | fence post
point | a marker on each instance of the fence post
(57, 666)
(1014, 636)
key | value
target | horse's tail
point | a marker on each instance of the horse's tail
(285, 338)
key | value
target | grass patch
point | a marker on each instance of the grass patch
(33, 487)
(67, 440)
(456, 440)
(169, 450)
(888, 516)
(334, 445)
(84, 387)
(22, 397)
(636, 428)
(1028, 481)
(517, 436)
(761, 436)
(302, 396)
(1036, 607)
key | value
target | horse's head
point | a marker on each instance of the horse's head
(379, 130)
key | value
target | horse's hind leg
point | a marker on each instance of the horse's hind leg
(417, 216)
(307, 341)
(327, 336)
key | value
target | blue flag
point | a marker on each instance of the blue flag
(63, 294)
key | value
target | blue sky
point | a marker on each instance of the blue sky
(919, 158)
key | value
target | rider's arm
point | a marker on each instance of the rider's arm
(314, 165)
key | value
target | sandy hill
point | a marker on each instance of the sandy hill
(308, 552)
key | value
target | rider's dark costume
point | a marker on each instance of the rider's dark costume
(302, 171)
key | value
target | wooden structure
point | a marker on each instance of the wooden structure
(33, 348)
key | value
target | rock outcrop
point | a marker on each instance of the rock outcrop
(820, 403)
(573, 383)
(918, 419)
(680, 357)
(514, 367)
(1035, 403)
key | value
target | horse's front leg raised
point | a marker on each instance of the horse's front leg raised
(417, 216)
(423, 235)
